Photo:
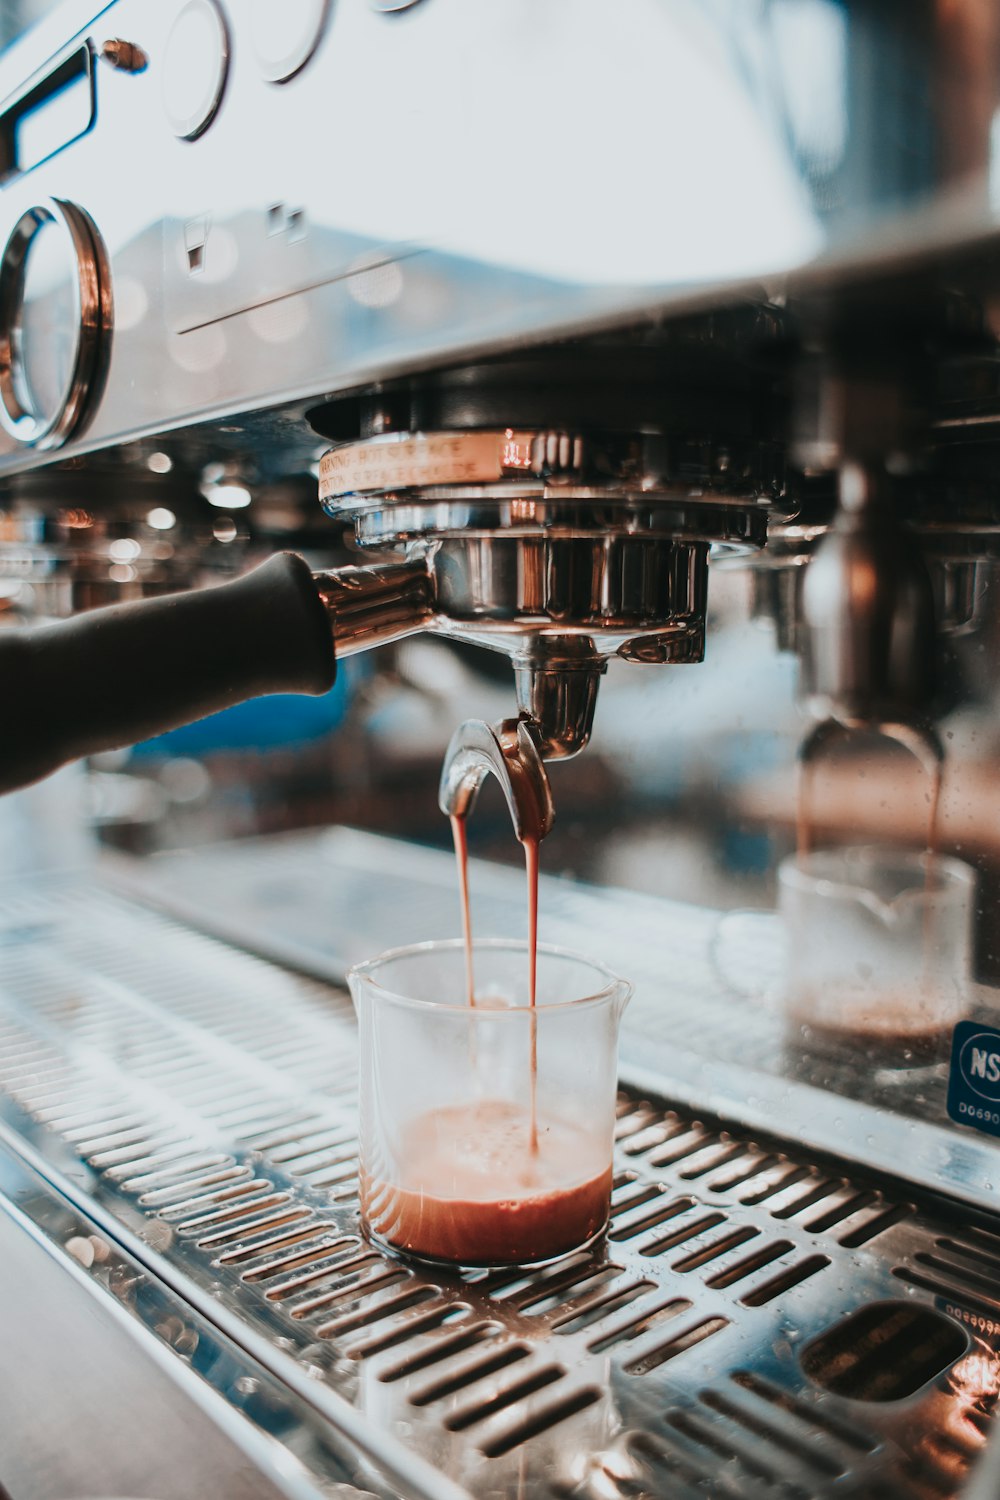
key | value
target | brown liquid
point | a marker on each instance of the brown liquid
(890, 1036)
(886, 1040)
(460, 836)
(454, 1160)
(531, 869)
(531, 842)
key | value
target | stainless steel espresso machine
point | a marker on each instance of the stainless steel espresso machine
(560, 310)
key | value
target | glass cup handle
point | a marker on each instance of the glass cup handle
(744, 951)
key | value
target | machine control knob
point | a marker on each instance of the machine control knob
(54, 323)
(195, 67)
(285, 36)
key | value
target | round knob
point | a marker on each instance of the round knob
(194, 69)
(285, 36)
(54, 318)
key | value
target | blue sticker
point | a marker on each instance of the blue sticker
(974, 1077)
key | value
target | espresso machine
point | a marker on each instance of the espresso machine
(559, 314)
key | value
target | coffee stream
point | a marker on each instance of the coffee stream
(530, 843)
(460, 836)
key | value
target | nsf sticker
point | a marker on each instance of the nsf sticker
(974, 1077)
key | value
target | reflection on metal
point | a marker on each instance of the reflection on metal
(868, 614)
(556, 550)
(217, 1117)
(54, 325)
(510, 752)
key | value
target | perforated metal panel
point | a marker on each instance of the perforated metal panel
(208, 1096)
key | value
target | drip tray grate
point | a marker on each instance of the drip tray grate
(744, 1298)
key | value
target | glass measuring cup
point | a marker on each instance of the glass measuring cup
(878, 955)
(451, 1095)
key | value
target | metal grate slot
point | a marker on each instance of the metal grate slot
(783, 1176)
(584, 1314)
(884, 1352)
(184, 1173)
(468, 1373)
(748, 1264)
(550, 1293)
(801, 1201)
(695, 1259)
(229, 1172)
(959, 1278)
(805, 1445)
(240, 1212)
(441, 1349)
(332, 1258)
(325, 1251)
(663, 1469)
(794, 1276)
(625, 1227)
(851, 1203)
(699, 1168)
(862, 1233)
(274, 1133)
(249, 1189)
(405, 1327)
(682, 1146)
(651, 1358)
(961, 1250)
(478, 1411)
(368, 1313)
(242, 1253)
(351, 1287)
(629, 1191)
(663, 1243)
(756, 1472)
(256, 1218)
(813, 1416)
(539, 1417)
(655, 1310)
(757, 1166)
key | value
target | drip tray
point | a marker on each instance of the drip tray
(759, 1321)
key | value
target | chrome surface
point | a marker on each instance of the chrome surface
(198, 1103)
(185, 1435)
(323, 901)
(509, 751)
(556, 683)
(373, 606)
(246, 279)
(53, 326)
(868, 614)
(553, 549)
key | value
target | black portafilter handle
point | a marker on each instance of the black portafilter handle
(111, 677)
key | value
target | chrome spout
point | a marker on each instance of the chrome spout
(557, 692)
(510, 752)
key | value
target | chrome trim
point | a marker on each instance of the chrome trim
(93, 318)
